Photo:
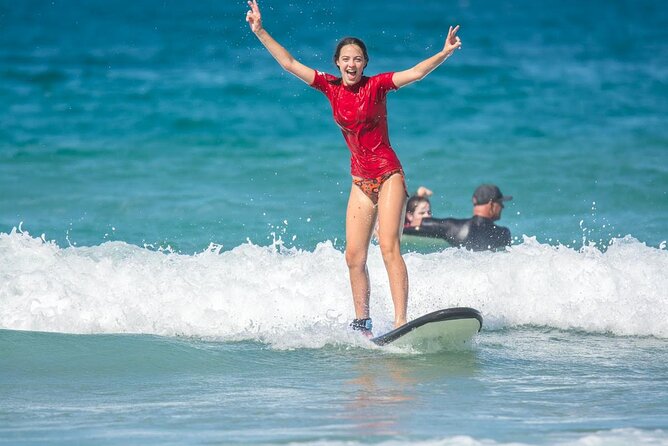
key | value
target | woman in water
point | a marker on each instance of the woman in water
(378, 188)
(418, 208)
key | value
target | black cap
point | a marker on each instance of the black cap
(488, 192)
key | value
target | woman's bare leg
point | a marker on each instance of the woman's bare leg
(360, 220)
(391, 209)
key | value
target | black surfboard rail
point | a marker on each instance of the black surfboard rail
(446, 314)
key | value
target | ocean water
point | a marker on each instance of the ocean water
(172, 225)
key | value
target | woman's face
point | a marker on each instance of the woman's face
(422, 210)
(351, 63)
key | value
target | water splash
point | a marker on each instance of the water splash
(291, 297)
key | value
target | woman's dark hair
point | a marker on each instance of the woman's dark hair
(414, 201)
(412, 204)
(351, 41)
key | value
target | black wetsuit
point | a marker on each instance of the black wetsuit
(476, 233)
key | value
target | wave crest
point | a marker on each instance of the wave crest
(294, 297)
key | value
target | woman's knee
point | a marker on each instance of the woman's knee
(390, 247)
(356, 259)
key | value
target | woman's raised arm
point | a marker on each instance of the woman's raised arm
(419, 71)
(282, 56)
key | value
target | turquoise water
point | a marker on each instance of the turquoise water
(120, 389)
(171, 226)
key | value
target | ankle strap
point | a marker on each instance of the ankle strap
(361, 324)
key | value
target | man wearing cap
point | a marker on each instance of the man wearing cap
(477, 233)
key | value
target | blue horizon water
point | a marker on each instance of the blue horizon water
(185, 133)
(172, 225)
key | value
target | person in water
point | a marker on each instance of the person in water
(378, 189)
(418, 207)
(477, 233)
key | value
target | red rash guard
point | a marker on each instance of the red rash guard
(361, 113)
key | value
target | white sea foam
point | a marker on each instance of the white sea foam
(291, 297)
(613, 437)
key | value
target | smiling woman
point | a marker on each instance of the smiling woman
(378, 190)
(191, 196)
(352, 58)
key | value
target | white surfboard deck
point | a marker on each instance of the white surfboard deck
(439, 330)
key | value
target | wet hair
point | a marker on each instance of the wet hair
(413, 203)
(351, 41)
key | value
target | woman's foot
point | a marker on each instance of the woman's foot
(364, 326)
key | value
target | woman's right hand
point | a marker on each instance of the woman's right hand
(282, 56)
(253, 17)
(423, 192)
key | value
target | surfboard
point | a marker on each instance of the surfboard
(442, 329)
(421, 244)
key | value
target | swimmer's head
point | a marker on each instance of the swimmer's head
(486, 193)
(417, 208)
(488, 201)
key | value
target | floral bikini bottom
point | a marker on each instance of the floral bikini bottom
(371, 186)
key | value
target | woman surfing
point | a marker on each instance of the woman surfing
(378, 187)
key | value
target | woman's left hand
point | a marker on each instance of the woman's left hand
(253, 16)
(452, 42)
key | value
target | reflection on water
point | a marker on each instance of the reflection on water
(388, 387)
